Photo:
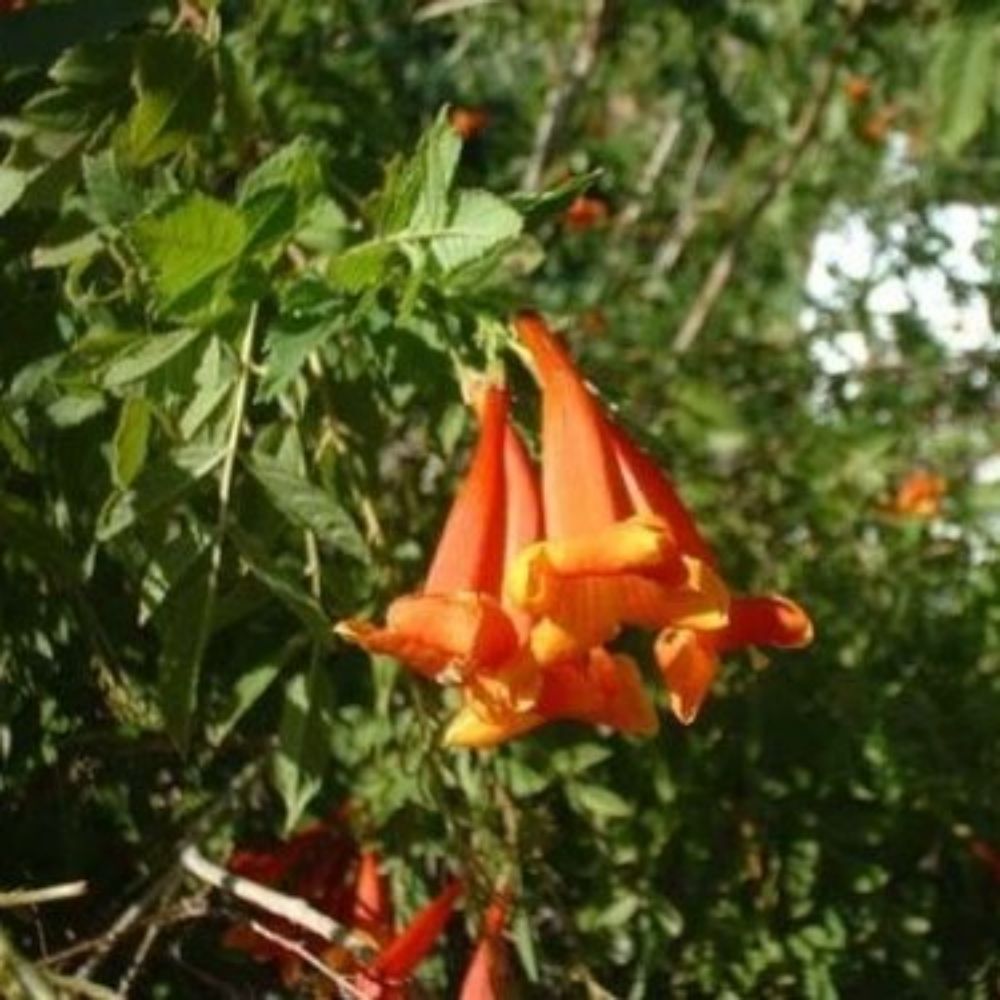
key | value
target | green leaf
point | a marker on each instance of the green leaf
(962, 80)
(360, 267)
(434, 164)
(147, 355)
(245, 693)
(304, 740)
(129, 445)
(183, 623)
(307, 505)
(416, 191)
(191, 249)
(283, 585)
(112, 198)
(286, 348)
(479, 222)
(600, 801)
(175, 82)
(158, 487)
(296, 167)
(13, 184)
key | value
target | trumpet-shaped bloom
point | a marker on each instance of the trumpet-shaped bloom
(619, 547)
(688, 660)
(600, 689)
(622, 549)
(460, 620)
(920, 495)
(486, 977)
(323, 865)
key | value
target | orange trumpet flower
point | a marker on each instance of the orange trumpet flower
(460, 620)
(920, 495)
(469, 122)
(597, 688)
(622, 549)
(613, 553)
(586, 211)
(396, 962)
(486, 977)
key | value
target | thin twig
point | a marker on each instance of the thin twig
(49, 894)
(561, 96)
(805, 131)
(342, 982)
(659, 157)
(442, 8)
(290, 908)
(77, 987)
(686, 219)
(130, 975)
(132, 916)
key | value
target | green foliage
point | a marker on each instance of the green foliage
(246, 269)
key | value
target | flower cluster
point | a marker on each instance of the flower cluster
(324, 865)
(531, 581)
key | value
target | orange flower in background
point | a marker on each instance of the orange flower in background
(323, 865)
(857, 88)
(469, 122)
(622, 549)
(487, 975)
(585, 212)
(988, 855)
(920, 494)
(460, 622)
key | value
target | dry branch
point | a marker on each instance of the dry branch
(562, 95)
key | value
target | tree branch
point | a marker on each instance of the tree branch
(34, 897)
(659, 157)
(289, 908)
(560, 97)
(803, 134)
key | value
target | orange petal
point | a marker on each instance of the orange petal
(651, 492)
(497, 707)
(601, 690)
(688, 664)
(372, 910)
(582, 487)
(469, 555)
(581, 612)
(486, 975)
(432, 632)
(397, 961)
(766, 621)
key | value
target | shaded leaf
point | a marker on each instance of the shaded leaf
(190, 249)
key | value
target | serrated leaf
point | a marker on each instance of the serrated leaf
(286, 349)
(147, 355)
(304, 740)
(434, 163)
(131, 440)
(307, 505)
(296, 167)
(190, 250)
(111, 195)
(962, 79)
(479, 222)
(176, 87)
(360, 267)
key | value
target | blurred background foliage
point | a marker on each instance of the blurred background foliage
(238, 285)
